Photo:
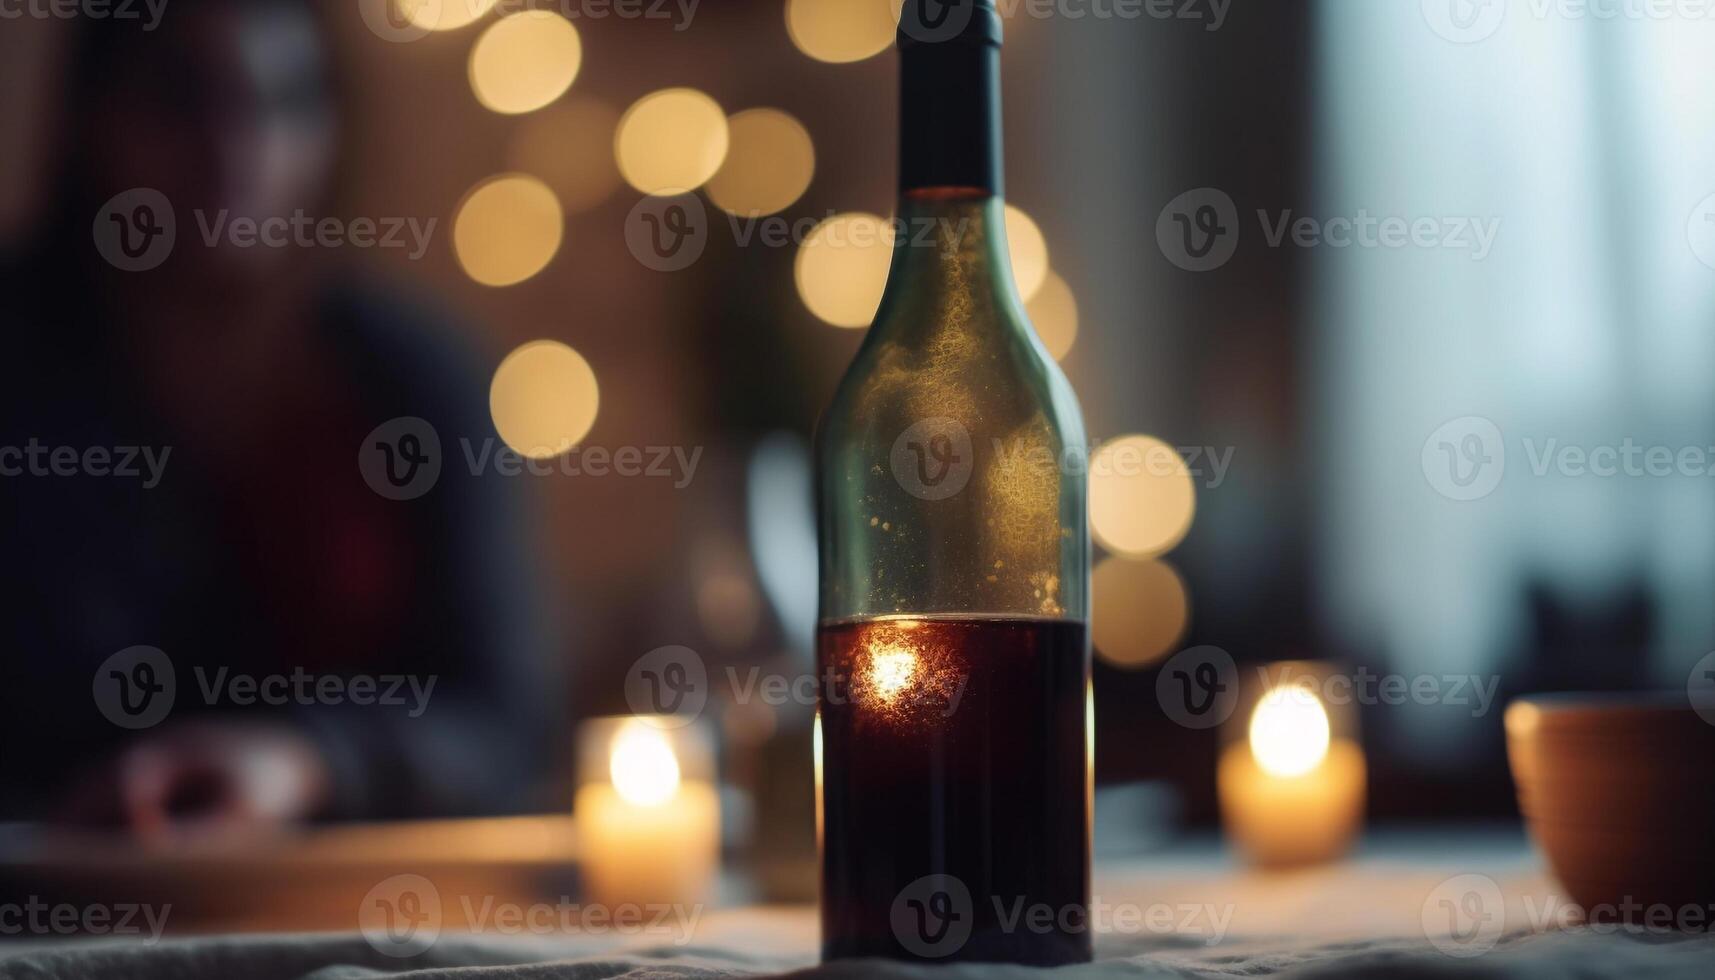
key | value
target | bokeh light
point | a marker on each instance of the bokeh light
(1054, 313)
(1142, 498)
(642, 765)
(841, 268)
(1029, 252)
(507, 229)
(525, 61)
(671, 141)
(840, 31)
(769, 163)
(543, 399)
(1289, 731)
(570, 147)
(442, 15)
(1139, 611)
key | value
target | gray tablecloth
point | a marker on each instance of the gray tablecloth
(1576, 952)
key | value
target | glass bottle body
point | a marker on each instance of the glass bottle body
(953, 645)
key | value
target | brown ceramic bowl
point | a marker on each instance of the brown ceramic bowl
(1619, 794)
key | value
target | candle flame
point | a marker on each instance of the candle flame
(644, 770)
(1289, 731)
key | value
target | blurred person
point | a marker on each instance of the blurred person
(249, 546)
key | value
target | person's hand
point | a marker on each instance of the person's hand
(203, 779)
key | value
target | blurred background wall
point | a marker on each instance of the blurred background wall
(1317, 372)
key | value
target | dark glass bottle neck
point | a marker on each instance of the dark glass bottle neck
(949, 117)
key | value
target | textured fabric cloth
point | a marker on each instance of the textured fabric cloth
(781, 943)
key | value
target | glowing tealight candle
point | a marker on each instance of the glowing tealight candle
(648, 819)
(1291, 792)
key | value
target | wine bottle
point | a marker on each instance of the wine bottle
(953, 727)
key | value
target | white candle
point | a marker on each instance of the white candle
(648, 831)
(1291, 793)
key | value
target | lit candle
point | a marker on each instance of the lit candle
(647, 813)
(1292, 792)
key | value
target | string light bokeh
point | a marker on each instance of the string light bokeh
(570, 153)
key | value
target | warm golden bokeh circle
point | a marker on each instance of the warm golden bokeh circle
(524, 61)
(543, 399)
(770, 160)
(1029, 252)
(841, 268)
(671, 141)
(839, 31)
(442, 15)
(570, 147)
(1139, 611)
(1053, 312)
(507, 229)
(1142, 497)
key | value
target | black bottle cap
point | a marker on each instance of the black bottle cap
(949, 96)
(941, 21)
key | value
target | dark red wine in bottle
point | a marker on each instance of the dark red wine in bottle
(964, 759)
(954, 728)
